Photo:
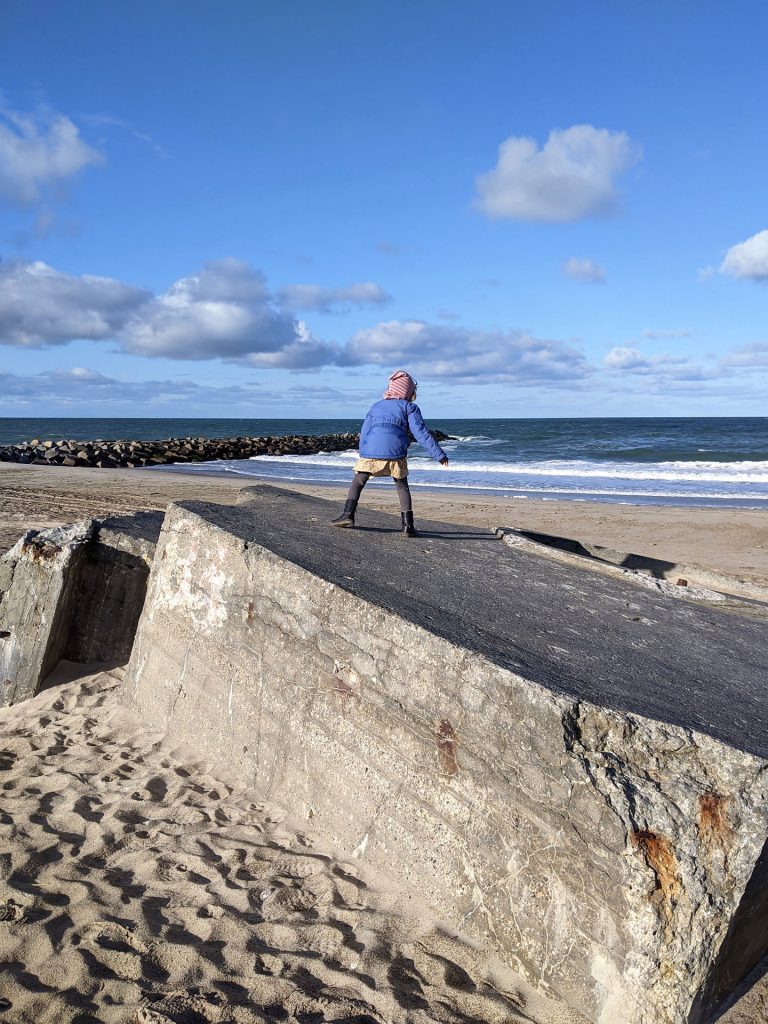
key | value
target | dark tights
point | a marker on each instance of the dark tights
(359, 480)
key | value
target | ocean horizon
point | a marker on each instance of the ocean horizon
(709, 461)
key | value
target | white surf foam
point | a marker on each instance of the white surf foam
(672, 472)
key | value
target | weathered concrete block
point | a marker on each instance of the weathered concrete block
(37, 604)
(73, 592)
(605, 853)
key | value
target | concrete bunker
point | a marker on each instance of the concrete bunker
(498, 731)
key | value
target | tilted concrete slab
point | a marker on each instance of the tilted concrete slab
(569, 768)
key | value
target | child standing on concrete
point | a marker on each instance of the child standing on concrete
(384, 444)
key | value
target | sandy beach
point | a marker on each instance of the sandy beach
(730, 541)
(135, 885)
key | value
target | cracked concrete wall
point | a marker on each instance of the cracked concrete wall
(602, 853)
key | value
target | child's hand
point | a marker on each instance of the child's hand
(444, 460)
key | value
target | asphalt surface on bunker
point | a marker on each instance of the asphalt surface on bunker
(574, 631)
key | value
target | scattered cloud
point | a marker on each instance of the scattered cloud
(665, 370)
(225, 311)
(664, 366)
(479, 356)
(573, 176)
(658, 335)
(448, 314)
(40, 306)
(624, 358)
(739, 375)
(748, 259)
(303, 353)
(584, 270)
(80, 387)
(40, 154)
(332, 300)
(752, 355)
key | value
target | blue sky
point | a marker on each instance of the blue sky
(220, 207)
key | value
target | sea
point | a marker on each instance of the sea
(694, 461)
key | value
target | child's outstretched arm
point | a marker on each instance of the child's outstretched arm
(423, 436)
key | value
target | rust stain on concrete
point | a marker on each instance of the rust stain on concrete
(345, 692)
(249, 612)
(447, 746)
(342, 688)
(40, 550)
(660, 857)
(714, 827)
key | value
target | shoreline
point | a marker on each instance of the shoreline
(587, 497)
(728, 540)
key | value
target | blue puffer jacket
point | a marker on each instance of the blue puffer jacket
(384, 434)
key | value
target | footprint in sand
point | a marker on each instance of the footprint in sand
(199, 902)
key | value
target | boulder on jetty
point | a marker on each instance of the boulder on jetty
(572, 770)
(130, 454)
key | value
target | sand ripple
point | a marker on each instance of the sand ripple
(137, 887)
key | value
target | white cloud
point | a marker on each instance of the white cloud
(571, 177)
(661, 368)
(40, 153)
(584, 270)
(225, 311)
(624, 358)
(329, 300)
(658, 335)
(477, 356)
(675, 374)
(303, 353)
(754, 354)
(40, 306)
(748, 259)
(80, 387)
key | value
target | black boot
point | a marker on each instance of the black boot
(408, 529)
(347, 517)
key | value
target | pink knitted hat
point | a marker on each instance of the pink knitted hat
(401, 385)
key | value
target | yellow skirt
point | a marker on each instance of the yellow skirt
(396, 468)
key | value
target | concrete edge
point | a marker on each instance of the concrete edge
(703, 586)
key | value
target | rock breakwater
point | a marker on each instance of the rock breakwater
(127, 454)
